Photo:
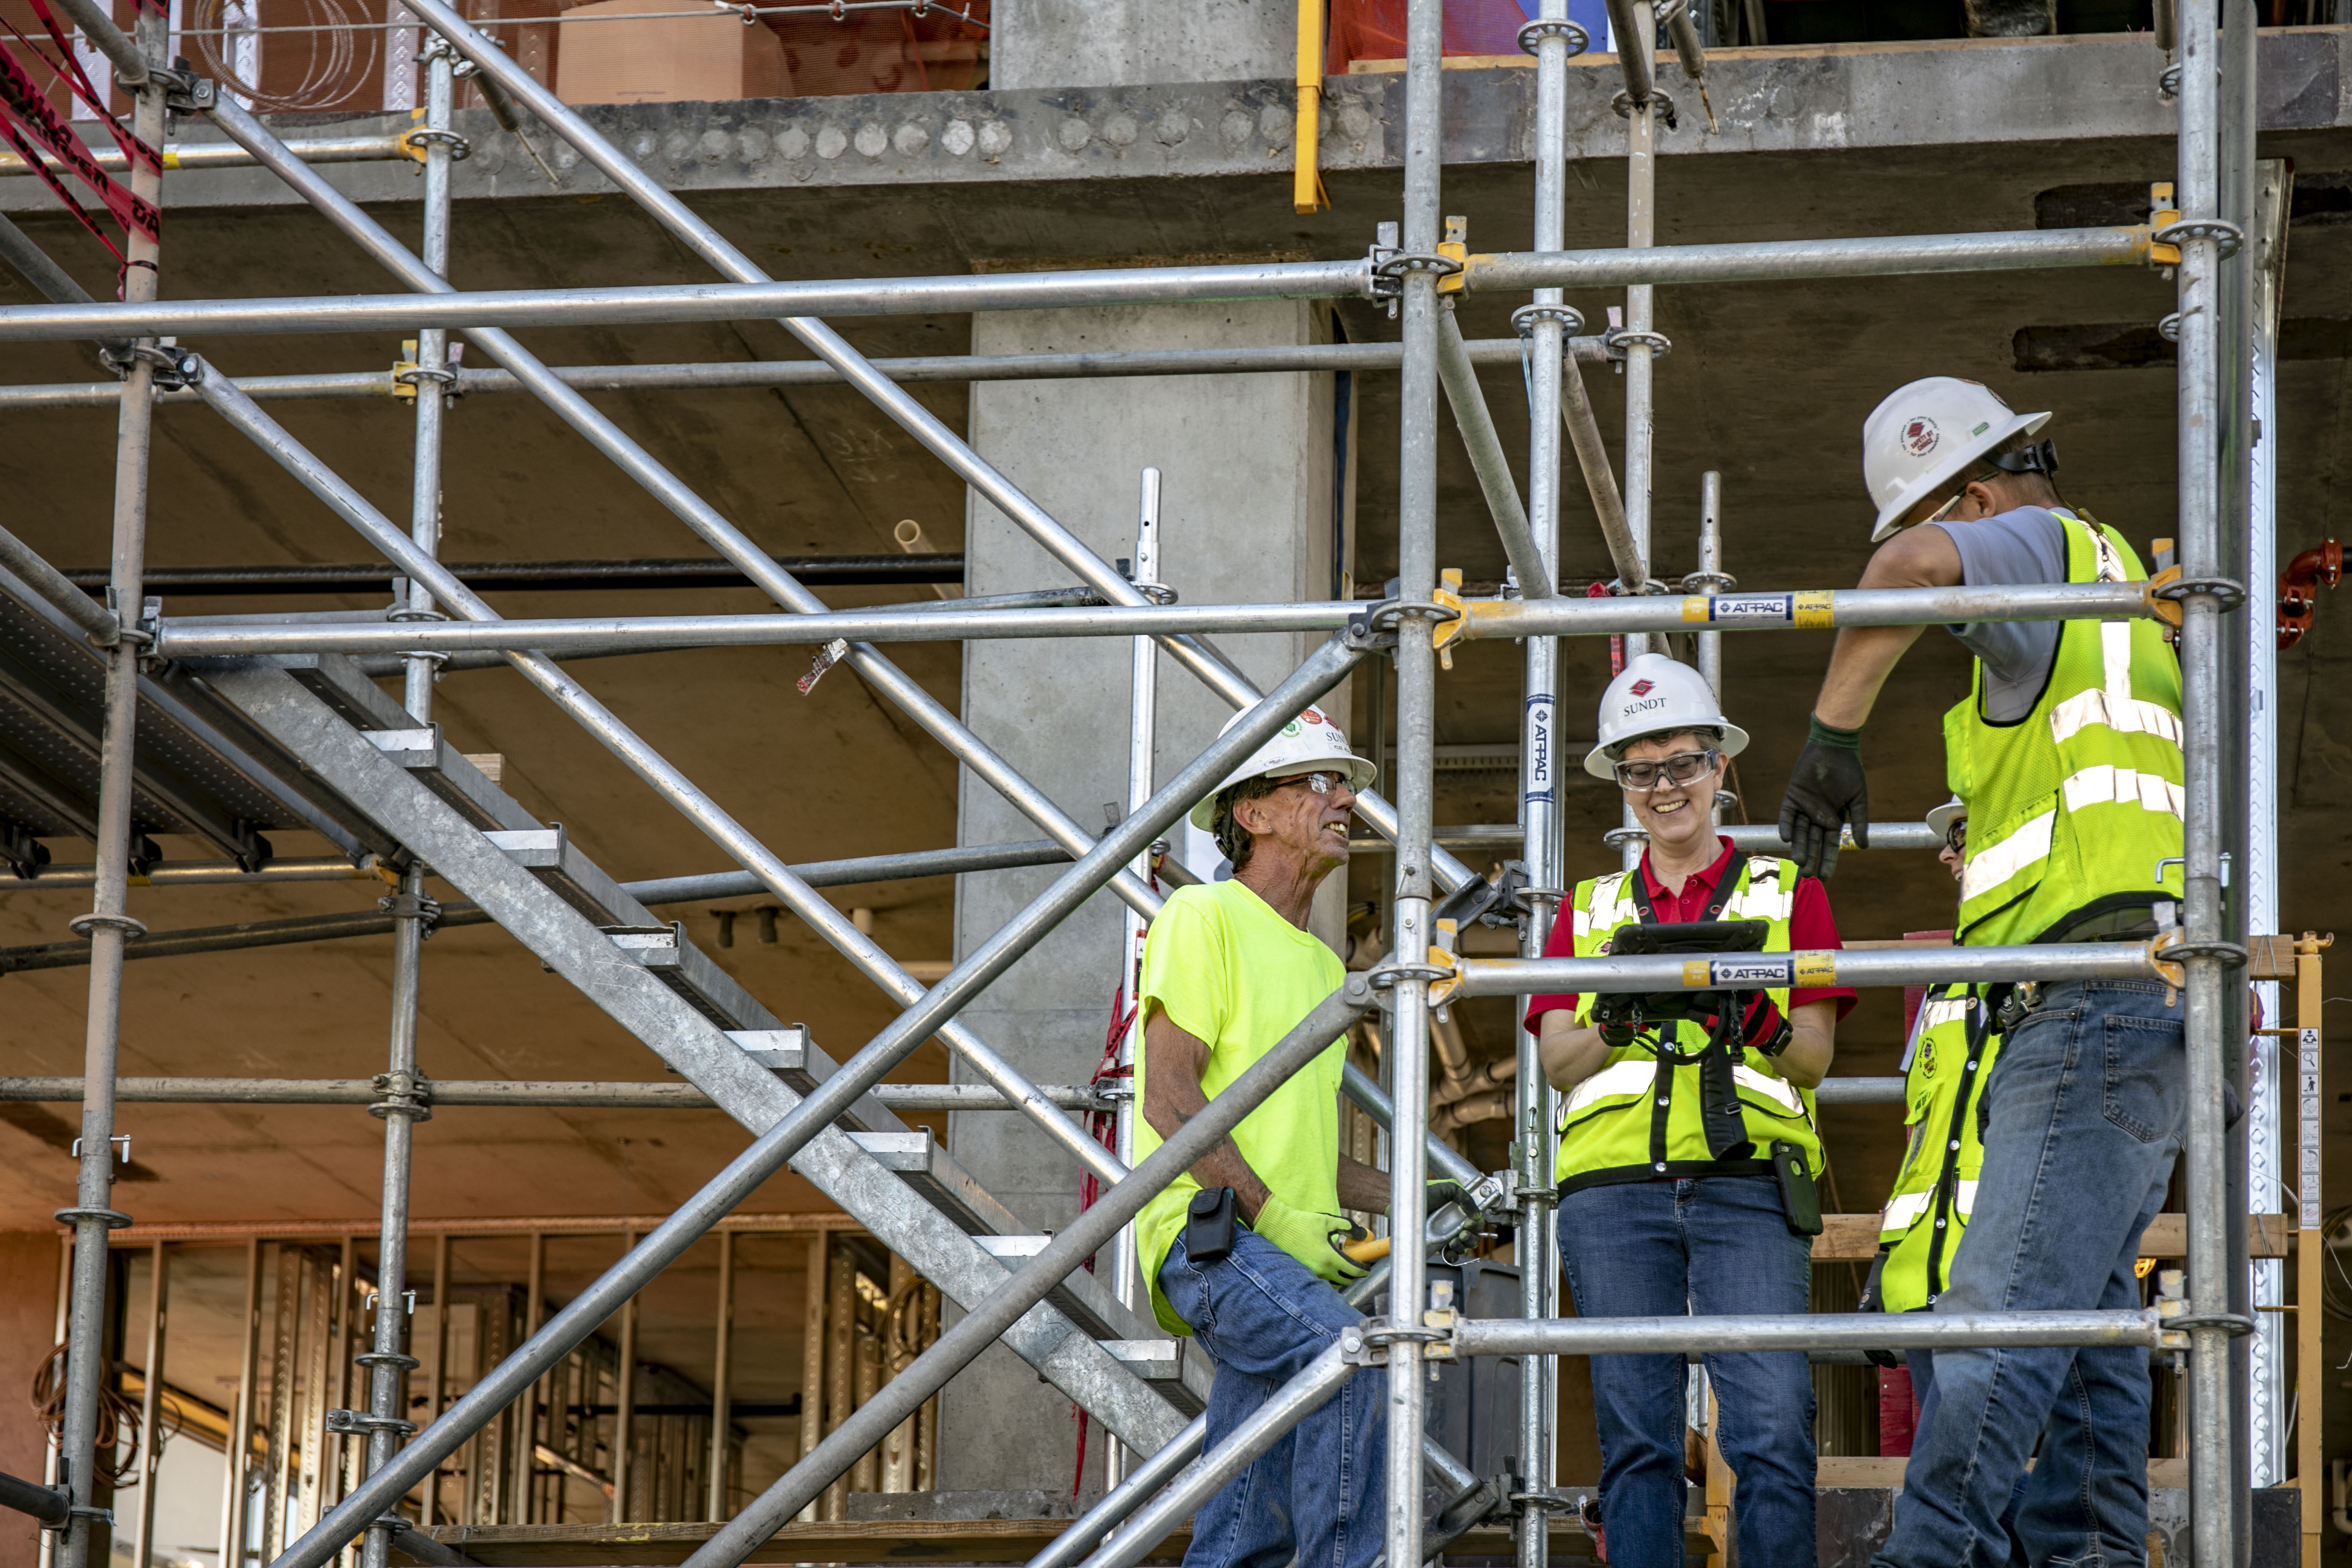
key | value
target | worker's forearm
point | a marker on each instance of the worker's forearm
(1812, 1045)
(1570, 1054)
(1859, 665)
(1224, 1167)
(1362, 1186)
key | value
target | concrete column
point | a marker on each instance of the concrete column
(1248, 515)
(1134, 43)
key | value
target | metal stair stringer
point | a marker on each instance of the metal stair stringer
(575, 948)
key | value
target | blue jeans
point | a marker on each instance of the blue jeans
(1710, 1246)
(2084, 1117)
(2068, 1455)
(1320, 1493)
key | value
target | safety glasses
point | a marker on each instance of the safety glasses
(1682, 768)
(1321, 783)
(1956, 837)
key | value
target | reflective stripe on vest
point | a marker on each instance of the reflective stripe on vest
(1609, 1120)
(2071, 808)
(1920, 1227)
(1903, 1210)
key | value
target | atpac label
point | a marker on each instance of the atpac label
(1809, 608)
(1761, 971)
(1538, 762)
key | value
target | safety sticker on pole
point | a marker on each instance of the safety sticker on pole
(1809, 608)
(1541, 712)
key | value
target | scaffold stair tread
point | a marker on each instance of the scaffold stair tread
(305, 727)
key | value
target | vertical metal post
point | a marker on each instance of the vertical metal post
(1416, 674)
(1709, 579)
(1641, 232)
(438, 1397)
(1142, 724)
(388, 1362)
(813, 1359)
(1548, 327)
(109, 924)
(151, 1401)
(2310, 1433)
(625, 1402)
(2213, 1416)
(722, 1369)
(526, 1417)
(234, 1528)
(430, 376)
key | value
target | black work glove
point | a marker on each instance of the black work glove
(1763, 1027)
(1441, 1192)
(1826, 790)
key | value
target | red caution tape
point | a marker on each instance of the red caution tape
(32, 127)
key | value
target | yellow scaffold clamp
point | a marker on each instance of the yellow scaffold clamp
(1454, 248)
(1447, 632)
(2162, 215)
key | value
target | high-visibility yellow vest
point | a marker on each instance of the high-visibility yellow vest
(1640, 1115)
(2071, 808)
(1951, 1056)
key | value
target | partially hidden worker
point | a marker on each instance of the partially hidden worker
(2067, 752)
(1670, 1202)
(1947, 1062)
(1229, 969)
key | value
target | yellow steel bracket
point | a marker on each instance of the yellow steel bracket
(1441, 989)
(411, 140)
(1446, 633)
(1307, 193)
(403, 369)
(2172, 972)
(2161, 608)
(2160, 196)
(1456, 247)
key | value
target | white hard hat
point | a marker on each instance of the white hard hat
(1656, 696)
(1306, 744)
(1941, 820)
(1926, 433)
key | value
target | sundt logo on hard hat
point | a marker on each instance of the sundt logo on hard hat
(1642, 688)
(1920, 436)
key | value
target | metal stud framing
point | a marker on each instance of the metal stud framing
(340, 739)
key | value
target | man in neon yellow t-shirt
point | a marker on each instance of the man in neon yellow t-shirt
(1228, 970)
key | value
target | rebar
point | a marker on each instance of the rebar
(109, 925)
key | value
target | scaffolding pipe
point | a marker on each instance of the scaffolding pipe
(1780, 611)
(2042, 963)
(1480, 619)
(202, 873)
(108, 926)
(1275, 359)
(53, 283)
(1800, 1332)
(664, 891)
(2213, 1413)
(929, 430)
(1416, 669)
(56, 587)
(1761, 261)
(1068, 1251)
(1487, 460)
(658, 480)
(1599, 480)
(129, 60)
(1550, 373)
(1629, 34)
(668, 1241)
(437, 1093)
(181, 155)
(1710, 578)
(1290, 1405)
(681, 791)
(1798, 260)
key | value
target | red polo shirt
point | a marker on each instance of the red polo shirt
(1812, 927)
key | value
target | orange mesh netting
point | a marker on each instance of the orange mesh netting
(1374, 30)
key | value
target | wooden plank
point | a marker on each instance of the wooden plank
(1853, 1237)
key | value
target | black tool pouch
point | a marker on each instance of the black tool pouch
(1209, 1224)
(1799, 1199)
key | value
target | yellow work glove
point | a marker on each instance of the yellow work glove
(1307, 1238)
